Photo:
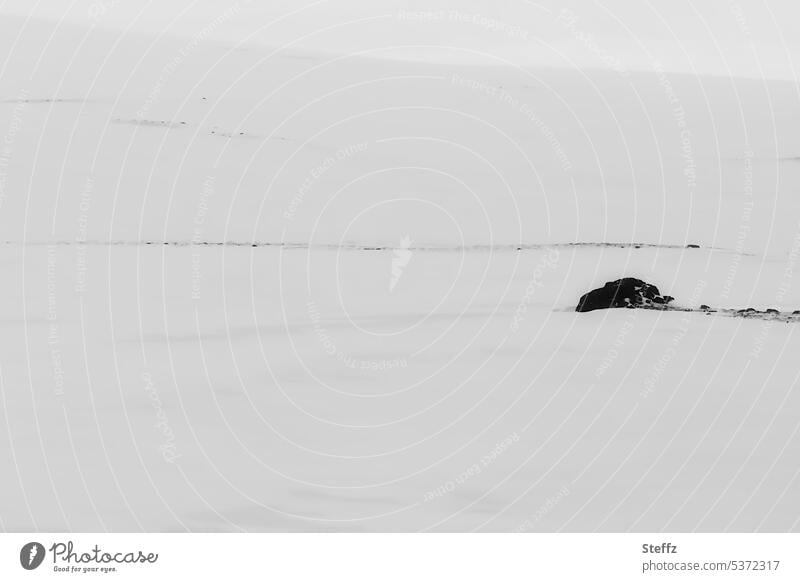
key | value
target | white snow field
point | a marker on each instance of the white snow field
(369, 350)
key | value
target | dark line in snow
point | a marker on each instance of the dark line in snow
(42, 101)
(364, 247)
(749, 313)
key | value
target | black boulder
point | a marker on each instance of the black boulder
(627, 292)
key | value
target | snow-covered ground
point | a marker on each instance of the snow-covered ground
(369, 349)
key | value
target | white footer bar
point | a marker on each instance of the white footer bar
(406, 557)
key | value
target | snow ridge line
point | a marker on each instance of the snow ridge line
(749, 313)
(365, 247)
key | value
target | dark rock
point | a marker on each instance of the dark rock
(692, 246)
(627, 292)
(705, 307)
(796, 312)
(772, 311)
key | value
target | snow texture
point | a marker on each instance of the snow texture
(288, 287)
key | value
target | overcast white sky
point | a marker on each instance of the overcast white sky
(741, 37)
